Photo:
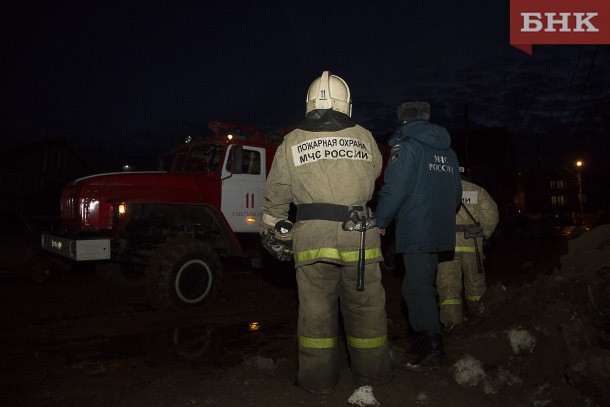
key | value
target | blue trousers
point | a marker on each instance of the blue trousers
(419, 291)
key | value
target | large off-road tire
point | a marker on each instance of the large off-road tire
(183, 273)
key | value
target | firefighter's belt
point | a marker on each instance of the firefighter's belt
(463, 228)
(471, 231)
(324, 211)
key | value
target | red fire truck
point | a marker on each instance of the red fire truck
(171, 228)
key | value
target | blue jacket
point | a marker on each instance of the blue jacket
(422, 189)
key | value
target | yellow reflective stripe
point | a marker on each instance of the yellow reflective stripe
(317, 343)
(332, 253)
(473, 297)
(451, 301)
(366, 343)
(467, 249)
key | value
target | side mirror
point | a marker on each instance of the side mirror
(237, 158)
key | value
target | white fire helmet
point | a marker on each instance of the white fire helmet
(329, 92)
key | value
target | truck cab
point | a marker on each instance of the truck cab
(170, 228)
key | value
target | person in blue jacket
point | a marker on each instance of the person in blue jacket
(422, 192)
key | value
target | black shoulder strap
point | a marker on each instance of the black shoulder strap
(469, 214)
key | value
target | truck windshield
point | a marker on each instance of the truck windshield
(200, 158)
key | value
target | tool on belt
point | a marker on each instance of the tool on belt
(473, 232)
(359, 224)
(355, 218)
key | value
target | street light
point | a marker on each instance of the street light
(578, 165)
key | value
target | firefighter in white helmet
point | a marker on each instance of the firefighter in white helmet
(476, 220)
(327, 167)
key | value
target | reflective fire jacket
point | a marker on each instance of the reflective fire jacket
(326, 159)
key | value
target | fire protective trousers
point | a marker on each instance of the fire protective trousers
(449, 284)
(322, 288)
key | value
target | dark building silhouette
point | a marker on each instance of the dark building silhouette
(31, 176)
(575, 195)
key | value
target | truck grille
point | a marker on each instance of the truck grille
(68, 206)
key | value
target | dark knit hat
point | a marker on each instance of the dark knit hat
(409, 111)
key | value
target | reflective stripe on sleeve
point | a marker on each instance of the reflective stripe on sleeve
(467, 249)
(366, 343)
(317, 343)
(473, 297)
(451, 301)
(332, 253)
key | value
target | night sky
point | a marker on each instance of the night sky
(137, 77)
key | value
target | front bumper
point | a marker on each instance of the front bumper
(77, 249)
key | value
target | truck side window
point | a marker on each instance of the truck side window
(204, 158)
(178, 162)
(252, 162)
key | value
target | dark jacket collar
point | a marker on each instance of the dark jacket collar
(325, 120)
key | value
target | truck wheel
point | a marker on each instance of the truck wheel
(183, 273)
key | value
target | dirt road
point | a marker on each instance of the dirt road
(76, 342)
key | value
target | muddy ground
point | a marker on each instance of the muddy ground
(78, 342)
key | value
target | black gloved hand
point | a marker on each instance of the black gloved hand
(280, 249)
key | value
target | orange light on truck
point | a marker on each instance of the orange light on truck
(250, 219)
(122, 209)
(254, 326)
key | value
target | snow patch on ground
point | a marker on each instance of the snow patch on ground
(521, 340)
(468, 371)
(363, 397)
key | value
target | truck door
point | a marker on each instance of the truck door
(242, 194)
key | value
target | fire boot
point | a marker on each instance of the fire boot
(431, 354)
